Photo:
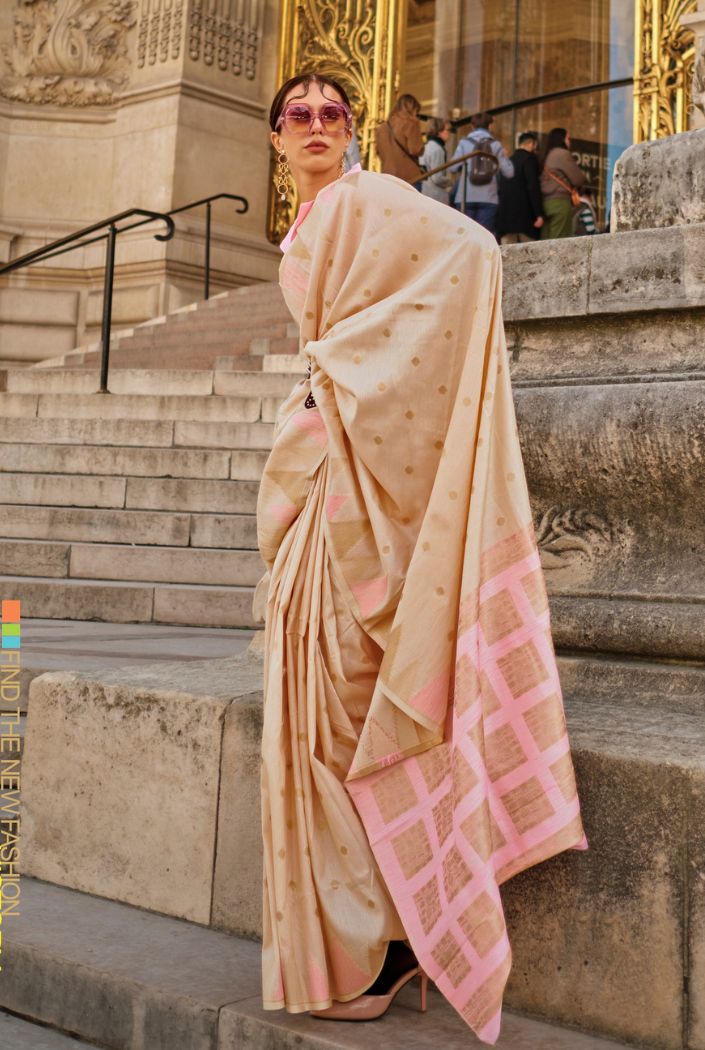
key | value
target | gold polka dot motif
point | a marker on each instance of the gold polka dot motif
(386, 333)
(409, 469)
(378, 440)
(443, 389)
(415, 361)
(418, 306)
(409, 414)
(454, 279)
(309, 315)
(375, 253)
(387, 211)
(357, 359)
(438, 445)
(414, 257)
(381, 386)
(448, 334)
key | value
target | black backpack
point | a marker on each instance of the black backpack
(483, 165)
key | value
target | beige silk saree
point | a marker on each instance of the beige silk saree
(415, 753)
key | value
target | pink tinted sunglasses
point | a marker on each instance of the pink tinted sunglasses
(297, 118)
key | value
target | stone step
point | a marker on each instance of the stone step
(126, 979)
(126, 406)
(204, 434)
(142, 432)
(291, 363)
(16, 1033)
(136, 493)
(177, 357)
(96, 525)
(241, 465)
(139, 602)
(137, 432)
(125, 381)
(130, 561)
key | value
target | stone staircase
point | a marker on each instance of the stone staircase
(138, 505)
(143, 941)
(232, 329)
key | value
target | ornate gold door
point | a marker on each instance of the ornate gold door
(663, 68)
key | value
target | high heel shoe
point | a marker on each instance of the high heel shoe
(368, 1007)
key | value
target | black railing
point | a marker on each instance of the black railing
(111, 229)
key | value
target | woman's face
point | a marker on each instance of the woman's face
(317, 151)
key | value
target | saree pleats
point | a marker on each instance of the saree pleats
(327, 914)
(415, 751)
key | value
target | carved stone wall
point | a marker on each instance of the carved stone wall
(68, 52)
(226, 34)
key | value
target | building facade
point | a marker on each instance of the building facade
(111, 104)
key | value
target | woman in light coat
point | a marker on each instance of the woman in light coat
(434, 154)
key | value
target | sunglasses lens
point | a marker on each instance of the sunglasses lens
(298, 119)
(334, 118)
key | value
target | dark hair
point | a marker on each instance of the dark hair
(481, 120)
(304, 79)
(526, 135)
(555, 140)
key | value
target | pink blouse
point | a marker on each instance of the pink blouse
(304, 209)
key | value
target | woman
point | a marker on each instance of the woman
(434, 154)
(399, 141)
(414, 751)
(560, 175)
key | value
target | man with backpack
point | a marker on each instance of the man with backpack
(477, 184)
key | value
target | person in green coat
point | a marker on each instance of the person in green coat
(559, 176)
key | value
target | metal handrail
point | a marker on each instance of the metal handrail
(80, 239)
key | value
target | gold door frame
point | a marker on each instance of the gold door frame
(360, 43)
(663, 68)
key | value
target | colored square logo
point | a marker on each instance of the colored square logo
(10, 629)
(8, 642)
(11, 610)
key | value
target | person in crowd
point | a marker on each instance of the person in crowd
(585, 221)
(561, 178)
(352, 154)
(520, 211)
(434, 154)
(477, 185)
(399, 141)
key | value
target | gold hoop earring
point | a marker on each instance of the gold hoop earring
(281, 176)
(342, 166)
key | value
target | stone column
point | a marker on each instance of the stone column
(111, 104)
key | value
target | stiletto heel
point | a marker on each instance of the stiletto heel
(423, 987)
(369, 1007)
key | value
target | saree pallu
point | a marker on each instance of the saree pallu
(415, 753)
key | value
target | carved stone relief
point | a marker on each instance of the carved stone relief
(68, 52)
(572, 539)
(160, 31)
(226, 34)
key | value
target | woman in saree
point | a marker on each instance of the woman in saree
(414, 751)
